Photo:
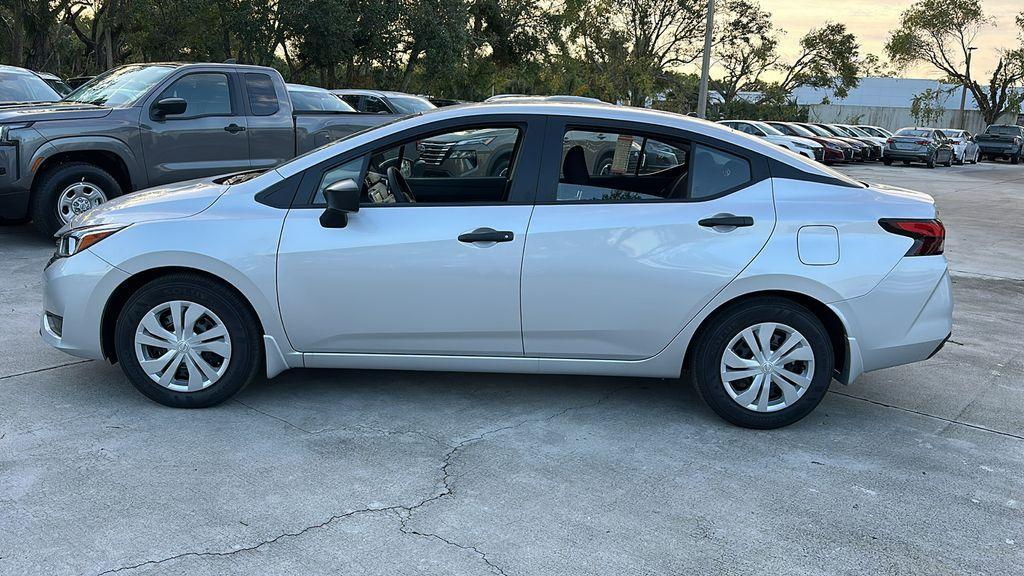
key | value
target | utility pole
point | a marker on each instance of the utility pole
(963, 93)
(702, 96)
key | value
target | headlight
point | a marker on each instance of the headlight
(5, 129)
(802, 145)
(74, 241)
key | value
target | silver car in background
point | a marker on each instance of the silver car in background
(756, 274)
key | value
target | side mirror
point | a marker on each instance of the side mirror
(168, 107)
(342, 198)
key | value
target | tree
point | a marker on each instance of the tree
(926, 107)
(940, 33)
(749, 56)
(828, 58)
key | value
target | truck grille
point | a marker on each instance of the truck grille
(434, 153)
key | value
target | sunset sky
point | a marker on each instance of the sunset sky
(872, 20)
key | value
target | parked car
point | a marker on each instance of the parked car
(965, 149)
(877, 143)
(926, 145)
(802, 146)
(442, 102)
(835, 150)
(21, 86)
(306, 99)
(544, 98)
(869, 150)
(861, 151)
(1001, 141)
(384, 102)
(76, 81)
(144, 125)
(764, 275)
(875, 130)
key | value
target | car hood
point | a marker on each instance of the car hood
(179, 200)
(40, 111)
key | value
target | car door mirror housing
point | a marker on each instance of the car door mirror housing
(342, 198)
(169, 107)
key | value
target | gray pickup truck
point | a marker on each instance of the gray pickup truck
(1002, 141)
(144, 125)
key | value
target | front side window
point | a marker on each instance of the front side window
(207, 94)
(262, 95)
(375, 105)
(473, 165)
(620, 167)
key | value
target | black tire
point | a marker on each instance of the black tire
(246, 361)
(1015, 159)
(887, 161)
(708, 351)
(602, 163)
(930, 162)
(500, 167)
(46, 192)
(906, 162)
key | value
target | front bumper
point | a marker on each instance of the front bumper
(906, 318)
(76, 290)
(14, 188)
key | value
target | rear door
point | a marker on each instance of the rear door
(616, 264)
(209, 138)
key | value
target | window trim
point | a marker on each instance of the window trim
(557, 126)
(527, 159)
(232, 96)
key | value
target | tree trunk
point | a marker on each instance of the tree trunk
(17, 56)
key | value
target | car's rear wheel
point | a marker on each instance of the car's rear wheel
(763, 364)
(1015, 159)
(186, 341)
(930, 162)
(67, 190)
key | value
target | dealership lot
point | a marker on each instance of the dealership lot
(912, 470)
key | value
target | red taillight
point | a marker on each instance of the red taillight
(922, 142)
(929, 236)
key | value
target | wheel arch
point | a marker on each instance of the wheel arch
(834, 325)
(119, 297)
(107, 160)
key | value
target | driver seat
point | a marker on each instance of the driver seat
(574, 167)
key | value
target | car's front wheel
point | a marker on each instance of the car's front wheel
(763, 364)
(186, 341)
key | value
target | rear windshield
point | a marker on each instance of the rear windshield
(25, 88)
(316, 101)
(1004, 130)
(410, 104)
(914, 132)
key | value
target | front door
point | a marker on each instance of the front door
(209, 138)
(428, 265)
(619, 259)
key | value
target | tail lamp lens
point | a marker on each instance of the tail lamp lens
(929, 236)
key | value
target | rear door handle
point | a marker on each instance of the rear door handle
(487, 235)
(735, 221)
(234, 128)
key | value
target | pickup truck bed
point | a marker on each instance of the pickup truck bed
(1002, 141)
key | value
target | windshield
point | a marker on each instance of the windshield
(878, 132)
(316, 101)
(857, 132)
(410, 104)
(119, 87)
(1004, 130)
(818, 130)
(21, 87)
(768, 128)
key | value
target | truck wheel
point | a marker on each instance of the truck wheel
(500, 167)
(67, 190)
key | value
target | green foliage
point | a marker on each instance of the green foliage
(926, 107)
(941, 32)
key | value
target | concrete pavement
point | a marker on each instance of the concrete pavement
(912, 470)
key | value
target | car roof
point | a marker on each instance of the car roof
(305, 88)
(15, 70)
(582, 110)
(378, 93)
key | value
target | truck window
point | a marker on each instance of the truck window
(262, 96)
(207, 94)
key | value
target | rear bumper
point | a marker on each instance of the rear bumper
(999, 148)
(906, 318)
(906, 155)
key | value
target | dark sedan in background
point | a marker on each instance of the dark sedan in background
(926, 145)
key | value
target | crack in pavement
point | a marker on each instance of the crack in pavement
(48, 368)
(404, 513)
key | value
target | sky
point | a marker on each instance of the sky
(872, 20)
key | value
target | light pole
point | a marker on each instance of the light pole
(963, 93)
(702, 96)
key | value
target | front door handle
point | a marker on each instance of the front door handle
(734, 221)
(487, 235)
(234, 128)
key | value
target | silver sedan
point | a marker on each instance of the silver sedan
(694, 252)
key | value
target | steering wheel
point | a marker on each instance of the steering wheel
(399, 187)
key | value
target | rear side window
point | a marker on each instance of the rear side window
(716, 172)
(262, 95)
